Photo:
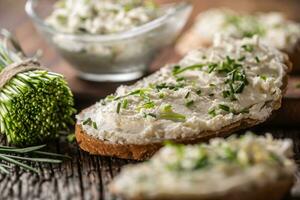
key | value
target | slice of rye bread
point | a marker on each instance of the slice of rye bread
(192, 40)
(97, 146)
(272, 190)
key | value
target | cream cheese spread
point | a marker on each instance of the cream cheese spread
(207, 90)
(101, 16)
(273, 27)
(204, 170)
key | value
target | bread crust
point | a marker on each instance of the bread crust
(272, 190)
(96, 146)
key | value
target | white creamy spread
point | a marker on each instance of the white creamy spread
(206, 91)
(273, 27)
(209, 169)
(101, 16)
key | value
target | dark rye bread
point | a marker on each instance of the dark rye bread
(144, 151)
(272, 190)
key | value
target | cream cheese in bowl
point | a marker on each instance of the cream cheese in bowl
(109, 40)
(101, 17)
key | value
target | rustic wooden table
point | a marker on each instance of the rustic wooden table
(86, 176)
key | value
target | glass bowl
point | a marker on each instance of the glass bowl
(115, 57)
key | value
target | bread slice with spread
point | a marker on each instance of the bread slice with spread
(211, 92)
(273, 28)
(249, 167)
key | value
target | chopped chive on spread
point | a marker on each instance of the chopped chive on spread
(110, 97)
(118, 107)
(211, 94)
(148, 105)
(177, 69)
(257, 59)
(212, 112)
(187, 95)
(211, 67)
(263, 77)
(236, 78)
(88, 121)
(224, 107)
(149, 114)
(248, 47)
(169, 86)
(189, 103)
(180, 79)
(125, 103)
(161, 95)
(241, 58)
(168, 114)
(95, 125)
(198, 92)
(102, 102)
(140, 92)
(212, 85)
(227, 109)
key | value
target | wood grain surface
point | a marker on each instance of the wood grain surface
(87, 177)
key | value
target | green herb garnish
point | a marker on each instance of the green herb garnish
(241, 58)
(247, 25)
(94, 125)
(212, 112)
(118, 107)
(224, 107)
(125, 104)
(167, 113)
(180, 79)
(211, 67)
(227, 109)
(189, 103)
(161, 95)
(149, 114)
(88, 121)
(169, 86)
(140, 92)
(263, 77)
(178, 70)
(148, 105)
(198, 92)
(248, 47)
(187, 95)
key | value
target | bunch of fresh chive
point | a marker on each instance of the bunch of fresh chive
(35, 105)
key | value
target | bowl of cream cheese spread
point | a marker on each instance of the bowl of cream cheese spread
(108, 40)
